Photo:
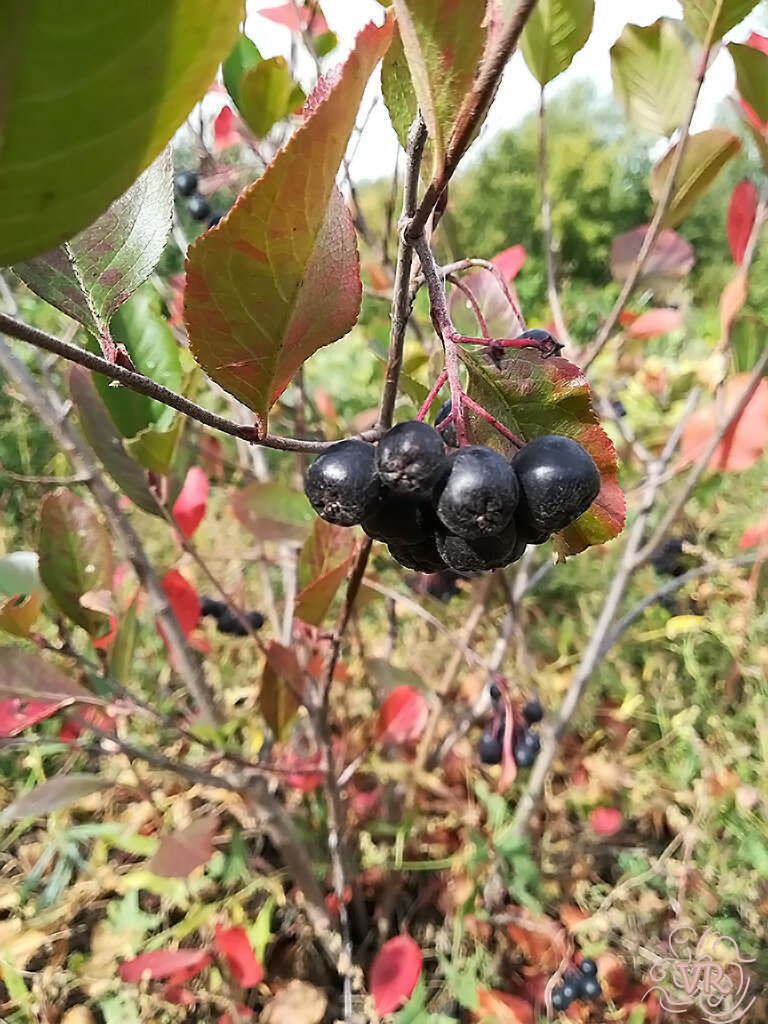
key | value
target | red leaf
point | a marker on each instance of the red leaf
(244, 1013)
(102, 643)
(626, 318)
(176, 995)
(394, 973)
(509, 261)
(303, 781)
(744, 441)
(17, 715)
(605, 821)
(754, 535)
(189, 508)
(758, 42)
(184, 600)
(177, 964)
(279, 277)
(224, 132)
(297, 18)
(654, 323)
(671, 258)
(742, 210)
(183, 850)
(503, 1009)
(402, 716)
(234, 946)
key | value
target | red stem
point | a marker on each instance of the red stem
(493, 421)
(432, 395)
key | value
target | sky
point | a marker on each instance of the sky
(376, 152)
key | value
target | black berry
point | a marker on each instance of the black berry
(548, 345)
(558, 999)
(531, 741)
(480, 493)
(410, 459)
(591, 989)
(199, 208)
(571, 989)
(558, 482)
(524, 755)
(490, 749)
(533, 712)
(213, 220)
(480, 554)
(423, 557)
(588, 968)
(495, 693)
(618, 408)
(448, 433)
(208, 606)
(230, 623)
(397, 520)
(669, 559)
(185, 183)
(341, 482)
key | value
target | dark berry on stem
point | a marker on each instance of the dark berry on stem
(199, 208)
(422, 557)
(571, 989)
(588, 968)
(558, 482)
(185, 183)
(591, 988)
(558, 999)
(397, 520)
(531, 741)
(524, 755)
(230, 623)
(341, 483)
(209, 606)
(477, 555)
(490, 748)
(533, 712)
(410, 459)
(480, 493)
(448, 433)
(495, 693)
(548, 346)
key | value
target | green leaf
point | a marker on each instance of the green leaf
(443, 45)
(273, 512)
(122, 647)
(19, 573)
(699, 14)
(751, 77)
(156, 447)
(279, 277)
(554, 34)
(76, 556)
(397, 89)
(706, 154)
(653, 76)
(532, 396)
(91, 100)
(749, 337)
(150, 343)
(90, 276)
(243, 56)
(265, 94)
(52, 795)
(99, 432)
(325, 43)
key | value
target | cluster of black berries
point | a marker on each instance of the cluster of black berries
(468, 510)
(199, 208)
(581, 984)
(226, 620)
(525, 742)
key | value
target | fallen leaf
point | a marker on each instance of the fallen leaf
(177, 964)
(297, 1003)
(499, 1008)
(402, 716)
(235, 947)
(182, 851)
(394, 973)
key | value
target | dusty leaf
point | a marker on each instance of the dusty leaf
(184, 850)
(653, 75)
(532, 396)
(91, 275)
(498, 314)
(671, 258)
(273, 511)
(706, 154)
(711, 19)
(554, 34)
(279, 277)
(443, 45)
(742, 209)
(76, 556)
(26, 675)
(52, 795)
(83, 120)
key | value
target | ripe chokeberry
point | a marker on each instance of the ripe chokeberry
(228, 622)
(341, 483)
(480, 554)
(422, 557)
(524, 754)
(571, 988)
(558, 999)
(185, 183)
(495, 693)
(410, 459)
(548, 345)
(209, 606)
(448, 433)
(558, 482)
(533, 712)
(490, 748)
(588, 968)
(591, 988)
(199, 207)
(480, 493)
(397, 520)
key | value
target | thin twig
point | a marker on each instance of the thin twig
(546, 228)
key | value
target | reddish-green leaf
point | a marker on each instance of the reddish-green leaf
(189, 508)
(273, 511)
(653, 75)
(185, 849)
(751, 65)
(670, 260)
(279, 277)
(746, 439)
(711, 19)
(497, 312)
(91, 275)
(706, 154)
(76, 556)
(89, 101)
(314, 602)
(265, 95)
(443, 44)
(742, 209)
(402, 716)
(323, 565)
(532, 396)
(281, 680)
(52, 795)
(98, 428)
(654, 323)
(554, 34)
